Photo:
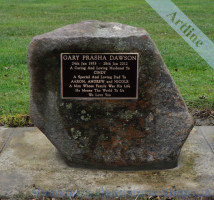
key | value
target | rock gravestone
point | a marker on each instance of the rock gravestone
(103, 96)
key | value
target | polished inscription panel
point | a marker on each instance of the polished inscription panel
(99, 75)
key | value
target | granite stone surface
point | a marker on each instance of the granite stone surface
(142, 134)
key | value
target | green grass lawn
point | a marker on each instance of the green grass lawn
(20, 20)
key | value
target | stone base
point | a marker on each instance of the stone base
(143, 166)
(28, 162)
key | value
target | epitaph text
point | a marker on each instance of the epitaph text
(91, 75)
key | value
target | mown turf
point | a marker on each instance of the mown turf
(20, 20)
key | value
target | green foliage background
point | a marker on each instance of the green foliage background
(20, 20)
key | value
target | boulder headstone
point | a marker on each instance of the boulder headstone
(103, 96)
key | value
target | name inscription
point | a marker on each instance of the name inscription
(96, 75)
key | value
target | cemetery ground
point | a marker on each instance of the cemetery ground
(22, 20)
(30, 166)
